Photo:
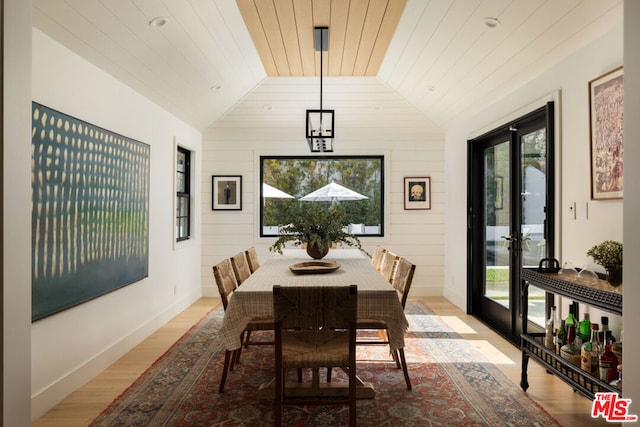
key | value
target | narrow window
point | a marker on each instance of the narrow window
(183, 194)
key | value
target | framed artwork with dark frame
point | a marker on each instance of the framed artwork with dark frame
(417, 193)
(606, 103)
(226, 192)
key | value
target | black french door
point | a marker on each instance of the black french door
(510, 219)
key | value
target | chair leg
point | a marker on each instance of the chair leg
(394, 356)
(247, 337)
(236, 358)
(279, 396)
(228, 355)
(403, 361)
(352, 398)
(329, 374)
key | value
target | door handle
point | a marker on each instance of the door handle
(513, 240)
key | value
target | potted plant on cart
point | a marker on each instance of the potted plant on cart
(609, 255)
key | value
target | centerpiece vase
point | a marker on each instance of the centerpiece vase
(614, 277)
(317, 252)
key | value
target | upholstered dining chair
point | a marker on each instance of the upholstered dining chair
(227, 284)
(402, 279)
(252, 259)
(315, 326)
(376, 259)
(389, 261)
(240, 267)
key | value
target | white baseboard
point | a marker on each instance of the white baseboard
(48, 397)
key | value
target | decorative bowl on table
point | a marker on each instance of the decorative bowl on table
(314, 267)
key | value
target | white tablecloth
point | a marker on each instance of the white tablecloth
(254, 298)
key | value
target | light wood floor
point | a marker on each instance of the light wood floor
(82, 406)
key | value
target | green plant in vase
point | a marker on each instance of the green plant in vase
(608, 254)
(318, 226)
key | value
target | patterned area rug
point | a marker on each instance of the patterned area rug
(453, 385)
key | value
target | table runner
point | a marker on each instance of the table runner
(253, 300)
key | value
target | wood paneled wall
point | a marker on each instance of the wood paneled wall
(370, 119)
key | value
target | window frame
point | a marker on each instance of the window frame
(183, 196)
(381, 158)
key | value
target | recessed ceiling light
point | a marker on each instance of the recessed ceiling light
(267, 107)
(491, 22)
(158, 22)
(215, 87)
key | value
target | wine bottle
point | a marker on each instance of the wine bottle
(584, 328)
(590, 352)
(549, 336)
(561, 336)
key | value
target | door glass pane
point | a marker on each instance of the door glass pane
(497, 223)
(534, 183)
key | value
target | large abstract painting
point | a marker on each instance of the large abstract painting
(90, 211)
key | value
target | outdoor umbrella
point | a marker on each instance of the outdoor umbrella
(273, 193)
(333, 192)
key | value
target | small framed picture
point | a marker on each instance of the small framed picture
(226, 192)
(606, 105)
(417, 192)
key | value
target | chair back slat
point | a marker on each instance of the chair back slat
(252, 259)
(402, 279)
(315, 307)
(240, 267)
(376, 260)
(225, 280)
(389, 262)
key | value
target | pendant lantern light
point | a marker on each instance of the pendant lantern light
(320, 123)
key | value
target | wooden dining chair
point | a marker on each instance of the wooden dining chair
(227, 284)
(402, 279)
(240, 267)
(252, 259)
(389, 261)
(376, 259)
(315, 326)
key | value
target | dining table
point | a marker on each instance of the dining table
(377, 299)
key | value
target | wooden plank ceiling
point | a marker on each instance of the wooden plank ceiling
(359, 34)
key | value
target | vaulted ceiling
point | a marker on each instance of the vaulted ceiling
(438, 55)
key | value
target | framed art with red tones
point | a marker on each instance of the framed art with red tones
(606, 104)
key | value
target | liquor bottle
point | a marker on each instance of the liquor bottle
(571, 350)
(590, 352)
(561, 336)
(604, 321)
(584, 328)
(617, 348)
(571, 319)
(617, 383)
(607, 363)
(549, 329)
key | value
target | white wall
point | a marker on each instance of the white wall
(567, 83)
(371, 120)
(71, 347)
(16, 212)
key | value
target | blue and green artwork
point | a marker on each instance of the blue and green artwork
(90, 211)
